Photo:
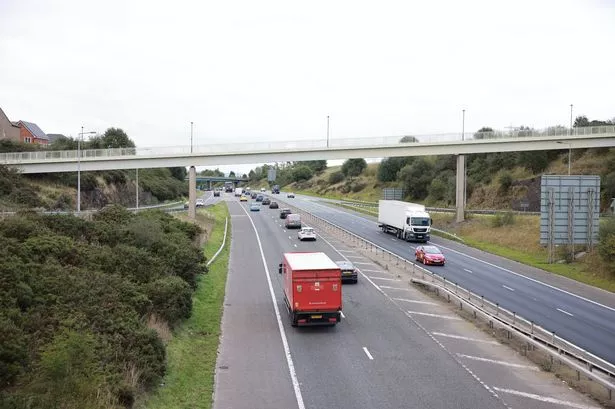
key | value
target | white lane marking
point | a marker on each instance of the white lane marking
(383, 278)
(565, 312)
(346, 251)
(364, 264)
(368, 354)
(289, 358)
(529, 278)
(295, 245)
(427, 314)
(394, 239)
(441, 334)
(508, 288)
(545, 398)
(342, 314)
(359, 257)
(374, 271)
(392, 288)
(469, 271)
(290, 237)
(493, 361)
(415, 301)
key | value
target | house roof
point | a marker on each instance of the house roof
(34, 130)
(53, 136)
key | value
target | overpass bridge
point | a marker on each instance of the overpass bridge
(319, 149)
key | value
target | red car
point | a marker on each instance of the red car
(429, 255)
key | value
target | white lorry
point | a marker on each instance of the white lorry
(408, 221)
(238, 191)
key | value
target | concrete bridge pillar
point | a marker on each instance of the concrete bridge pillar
(460, 189)
(192, 193)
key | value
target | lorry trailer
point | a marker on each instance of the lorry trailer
(312, 288)
(408, 221)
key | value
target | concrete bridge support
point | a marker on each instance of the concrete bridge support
(460, 190)
(192, 193)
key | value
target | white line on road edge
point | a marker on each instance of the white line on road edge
(222, 245)
(565, 312)
(545, 399)
(508, 288)
(346, 251)
(359, 257)
(446, 317)
(415, 301)
(441, 334)
(391, 288)
(368, 354)
(364, 264)
(289, 358)
(383, 278)
(493, 361)
(342, 314)
(469, 271)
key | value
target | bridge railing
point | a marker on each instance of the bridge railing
(258, 147)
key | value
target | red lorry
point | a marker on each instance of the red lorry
(312, 288)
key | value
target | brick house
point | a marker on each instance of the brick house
(29, 132)
(8, 129)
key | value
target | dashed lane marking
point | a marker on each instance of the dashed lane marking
(427, 314)
(415, 301)
(466, 270)
(508, 288)
(493, 361)
(383, 278)
(441, 334)
(342, 314)
(368, 354)
(392, 288)
(545, 398)
(565, 312)
(364, 264)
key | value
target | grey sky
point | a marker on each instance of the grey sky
(273, 70)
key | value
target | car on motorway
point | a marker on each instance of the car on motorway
(306, 233)
(348, 271)
(262, 189)
(273, 205)
(186, 205)
(200, 203)
(291, 195)
(266, 201)
(259, 198)
(284, 213)
(293, 221)
(429, 255)
(255, 207)
(243, 198)
(216, 193)
(253, 195)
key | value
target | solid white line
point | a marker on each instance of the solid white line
(469, 271)
(545, 398)
(441, 334)
(508, 288)
(415, 301)
(383, 278)
(374, 271)
(493, 361)
(529, 278)
(346, 251)
(565, 312)
(364, 264)
(342, 314)
(368, 354)
(447, 317)
(289, 358)
(393, 288)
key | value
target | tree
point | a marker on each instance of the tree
(408, 139)
(353, 167)
(534, 161)
(179, 173)
(231, 174)
(417, 178)
(301, 173)
(483, 132)
(116, 138)
(315, 165)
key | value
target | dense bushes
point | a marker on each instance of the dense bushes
(75, 299)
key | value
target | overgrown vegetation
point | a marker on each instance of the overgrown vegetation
(84, 304)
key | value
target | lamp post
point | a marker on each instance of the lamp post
(463, 124)
(570, 119)
(137, 182)
(327, 131)
(79, 167)
(191, 124)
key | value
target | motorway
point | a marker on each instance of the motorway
(393, 349)
(584, 322)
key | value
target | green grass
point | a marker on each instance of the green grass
(192, 352)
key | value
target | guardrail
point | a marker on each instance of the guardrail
(358, 203)
(578, 358)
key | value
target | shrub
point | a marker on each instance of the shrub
(336, 177)
(357, 187)
(171, 299)
(503, 219)
(505, 181)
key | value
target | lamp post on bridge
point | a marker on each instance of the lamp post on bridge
(79, 166)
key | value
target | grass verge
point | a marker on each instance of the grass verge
(192, 353)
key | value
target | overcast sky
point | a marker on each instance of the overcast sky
(273, 70)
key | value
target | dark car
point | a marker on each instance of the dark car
(429, 255)
(259, 198)
(266, 201)
(349, 271)
(284, 213)
(253, 195)
(216, 193)
(273, 205)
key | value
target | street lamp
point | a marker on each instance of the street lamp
(569, 154)
(327, 131)
(570, 119)
(191, 124)
(79, 167)
(463, 124)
